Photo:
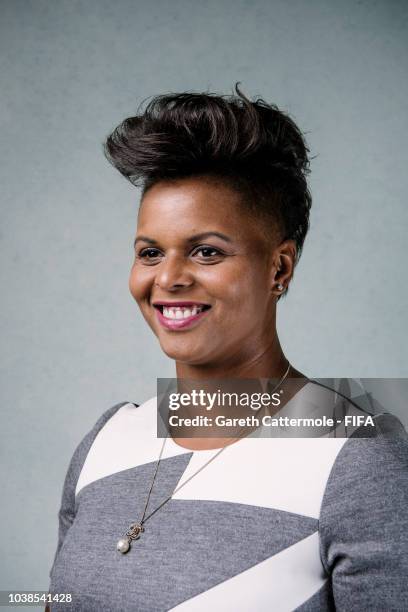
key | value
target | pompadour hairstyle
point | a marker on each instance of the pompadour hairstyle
(255, 147)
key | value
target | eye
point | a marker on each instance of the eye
(208, 254)
(149, 255)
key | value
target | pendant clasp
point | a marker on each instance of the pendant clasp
(134, 531)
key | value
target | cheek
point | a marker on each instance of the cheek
(140, 283)
(241, 296)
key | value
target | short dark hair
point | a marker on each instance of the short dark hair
(253, 145)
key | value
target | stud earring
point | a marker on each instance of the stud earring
(279, 287)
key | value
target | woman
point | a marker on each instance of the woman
(237, 523)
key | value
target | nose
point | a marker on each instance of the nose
(173, 273)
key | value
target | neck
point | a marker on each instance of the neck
(268, 362)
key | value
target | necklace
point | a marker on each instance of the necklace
(136, 529)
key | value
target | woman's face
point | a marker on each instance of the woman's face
(202, 274)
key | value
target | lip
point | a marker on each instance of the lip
(176, 324)
(178, 303)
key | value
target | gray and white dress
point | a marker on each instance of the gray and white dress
(272, 524)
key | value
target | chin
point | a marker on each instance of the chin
(183, 352)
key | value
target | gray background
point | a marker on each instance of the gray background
(73, 342)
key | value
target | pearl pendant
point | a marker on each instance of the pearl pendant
(133, 533)
(123, 545)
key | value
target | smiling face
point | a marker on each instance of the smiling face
(203, 273)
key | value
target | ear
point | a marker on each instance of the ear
(283, 265)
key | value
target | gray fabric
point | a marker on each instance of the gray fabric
(192, 545)
(320, 601)
(363, 525)
(187, 547)
(66, 513)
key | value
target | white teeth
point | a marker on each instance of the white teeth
(178, 312)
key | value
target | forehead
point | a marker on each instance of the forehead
(195, 205)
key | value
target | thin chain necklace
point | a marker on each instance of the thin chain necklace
(136, 529)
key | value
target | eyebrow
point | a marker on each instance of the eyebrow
(194, 238)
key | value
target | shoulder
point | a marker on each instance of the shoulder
(366, 493)
(82, 449)
(67, 510)
(369, 466)
(385, 444)
(88, 439)
(363, 522)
